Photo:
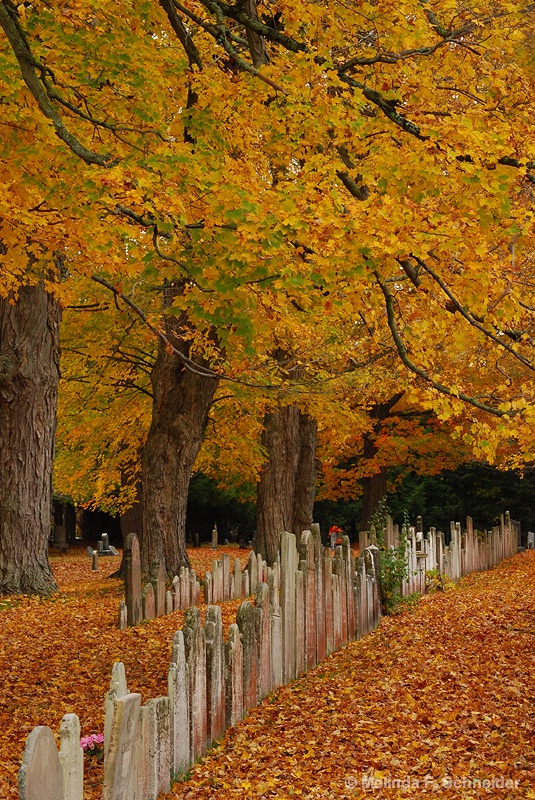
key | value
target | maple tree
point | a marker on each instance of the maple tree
(312, 158)
(29, 376)
(394, 439)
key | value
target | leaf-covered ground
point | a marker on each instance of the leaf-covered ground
(442, 694)
(56, 655)
(438, 696)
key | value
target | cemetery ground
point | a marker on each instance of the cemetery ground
(438, 702)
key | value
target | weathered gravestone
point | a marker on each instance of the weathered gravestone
(149, 603)
(158, 584)
(178, 689)
(41, 775)
(262, 613)
(276, 628)
(234, 677)
(307, 565)
(252, 569)
(176, 593)
(208, 595)
(215, 673)
(133, 580)
(226, 576)
(118, 688)
(123, 616)
(328, 600)
(300, 660)
(105, 548)
(237, 579)
(245, 619)
(71, 757)
(321, 645)
(157, 747)
(119, 763)
(168, 602)
(195, 649)
(288, 571)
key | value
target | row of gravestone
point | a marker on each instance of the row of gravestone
(153, 600)
(468, 551)
(312, 604)
(220, 584)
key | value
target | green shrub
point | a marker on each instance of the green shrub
(394, 568)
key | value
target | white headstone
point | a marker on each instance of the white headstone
(41, 775)
(157, 741)
(71, 757)
(119, 765)
(118, 688)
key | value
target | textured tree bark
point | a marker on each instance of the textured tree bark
(374, 486)
(305, 477)
(256, 42)
(29, 376)
(285, 493)
(181, 402)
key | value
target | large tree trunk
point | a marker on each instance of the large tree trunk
(29, 376)
(181, 402)
(285, 493)
(375, 486)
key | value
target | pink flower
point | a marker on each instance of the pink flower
(94, 741)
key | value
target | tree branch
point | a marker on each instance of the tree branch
(28, 66)
(470, 318)
(404, 356)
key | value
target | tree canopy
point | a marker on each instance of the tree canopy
(345, 184)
